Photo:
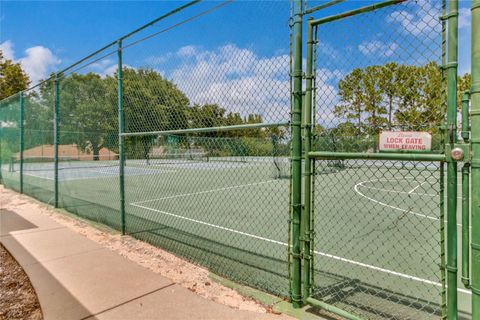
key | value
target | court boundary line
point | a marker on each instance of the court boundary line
(395, 273)
(74, 178)
(204, 191)
(360, 184)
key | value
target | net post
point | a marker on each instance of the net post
(475, 164)
(56, 137)
(306, 212)
(452, 53)
(121, 138)
(22, 138)
(296, 157)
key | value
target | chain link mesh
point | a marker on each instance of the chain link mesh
(207, 143)
(218, 197)
(377, 243)
(10, 140)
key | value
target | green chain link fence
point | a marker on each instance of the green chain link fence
(215, 153)
(199, 164)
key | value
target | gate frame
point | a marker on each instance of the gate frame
(305, 237)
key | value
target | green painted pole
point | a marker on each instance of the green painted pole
(296, 156)
(466, 116)
(323, 6)
(121, 139)
(465, 195)
(475, 167)
(365, 9)
(307, 180)
(22, 138)
(331, 155)
(328, 307)
(207, 129)
(441, 219)
(452, 53)
(56, 132)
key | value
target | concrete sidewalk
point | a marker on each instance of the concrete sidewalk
(76, 278)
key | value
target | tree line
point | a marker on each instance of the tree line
(372, 99)
(386, 97)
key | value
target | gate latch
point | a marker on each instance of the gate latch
(458, 152)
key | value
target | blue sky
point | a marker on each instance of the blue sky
(238, 52)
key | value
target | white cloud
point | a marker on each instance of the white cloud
(464, 17)
(187, 51)
(7, 49)
(421, 19)
(38, 61)
(377, 48)
(235, 78)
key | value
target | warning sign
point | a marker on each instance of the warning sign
(405, 141)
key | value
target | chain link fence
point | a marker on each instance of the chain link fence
(209, 129)
(378, 224)
(198, 164)
(184, 139)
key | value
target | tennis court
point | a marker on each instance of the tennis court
(372, 234)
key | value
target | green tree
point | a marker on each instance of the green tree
(151, 103)
(463, 84)
(351, 98)
(12, 78)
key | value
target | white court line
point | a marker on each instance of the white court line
(405, 192)
(36, 176)
(410, 192)
(395, 273)
(360, 184)
(205, 191)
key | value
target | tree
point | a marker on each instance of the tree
(389, 86)
(12, 78)
(463, 84)
(151, 103)
(372, 99)
(392, 96)
(351, 98)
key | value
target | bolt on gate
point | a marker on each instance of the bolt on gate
(375, 235)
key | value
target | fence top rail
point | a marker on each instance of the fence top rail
(326, 155)
(346, 14)
(208, 129)
(323, 6)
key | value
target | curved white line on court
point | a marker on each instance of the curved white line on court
(360, 184)
(361, 264)
(401, 192)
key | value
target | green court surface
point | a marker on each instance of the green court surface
(376, 224)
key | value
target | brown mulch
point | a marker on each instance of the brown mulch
(17, 296)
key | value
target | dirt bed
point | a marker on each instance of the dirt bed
(17, 296)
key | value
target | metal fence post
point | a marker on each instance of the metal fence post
(22, 139)
(296, 156)
(121, 138)
(466, 195)
(306, 213)
(56, 138)
(452, 240)
(475, 167)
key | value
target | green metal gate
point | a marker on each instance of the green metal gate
(378, 225)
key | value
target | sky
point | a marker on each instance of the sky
(238, 51)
